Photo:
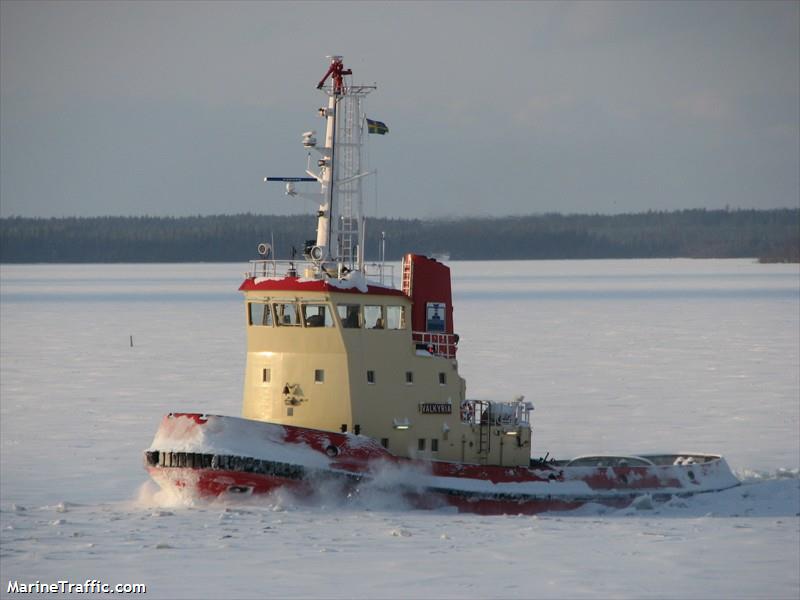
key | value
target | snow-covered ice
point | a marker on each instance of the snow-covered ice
(617, 356)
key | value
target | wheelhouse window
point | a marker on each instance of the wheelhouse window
(409, 377)
(373, 317)
(395, 317)
(349, 315)
(370, 376)
(259, 314)
(442, 378)
(286, 314)
(317, 315)
(319, 375)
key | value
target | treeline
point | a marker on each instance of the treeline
(771, 235)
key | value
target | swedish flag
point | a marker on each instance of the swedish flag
(378, 127)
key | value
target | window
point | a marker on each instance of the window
(373, 317)
(317, 315)
(286, 314)
(434, 445)
(319, 375)
(436, 315)
(442, 378)
(421, 444)
(266, 376)
(409, 377)
(395, 317)
(349, 315)
(290, 411)
(370, 376)
(260, 314)
(385, 442)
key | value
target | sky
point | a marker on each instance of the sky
(181, 108)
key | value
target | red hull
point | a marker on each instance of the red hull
(211, 456)
(210, 484)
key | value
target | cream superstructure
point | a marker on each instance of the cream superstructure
(368, 380)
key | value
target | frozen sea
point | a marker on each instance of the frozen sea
(617, 356)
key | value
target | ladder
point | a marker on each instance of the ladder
(406, 285)
(483, 412)
(348, 188)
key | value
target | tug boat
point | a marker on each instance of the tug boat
(352, 384)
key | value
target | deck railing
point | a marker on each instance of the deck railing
(380, 273)
(278, 268)
(496, 414)
(437, 344)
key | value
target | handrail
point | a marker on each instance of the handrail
(276, 268)
(380, 273)
(436, 344)
(482, 412)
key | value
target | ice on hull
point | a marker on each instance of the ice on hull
(209, 456)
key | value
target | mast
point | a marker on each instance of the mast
(339, 245)
(340, 227)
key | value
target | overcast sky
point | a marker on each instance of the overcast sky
(161, 108)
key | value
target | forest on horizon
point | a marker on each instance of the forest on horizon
(770, 235)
